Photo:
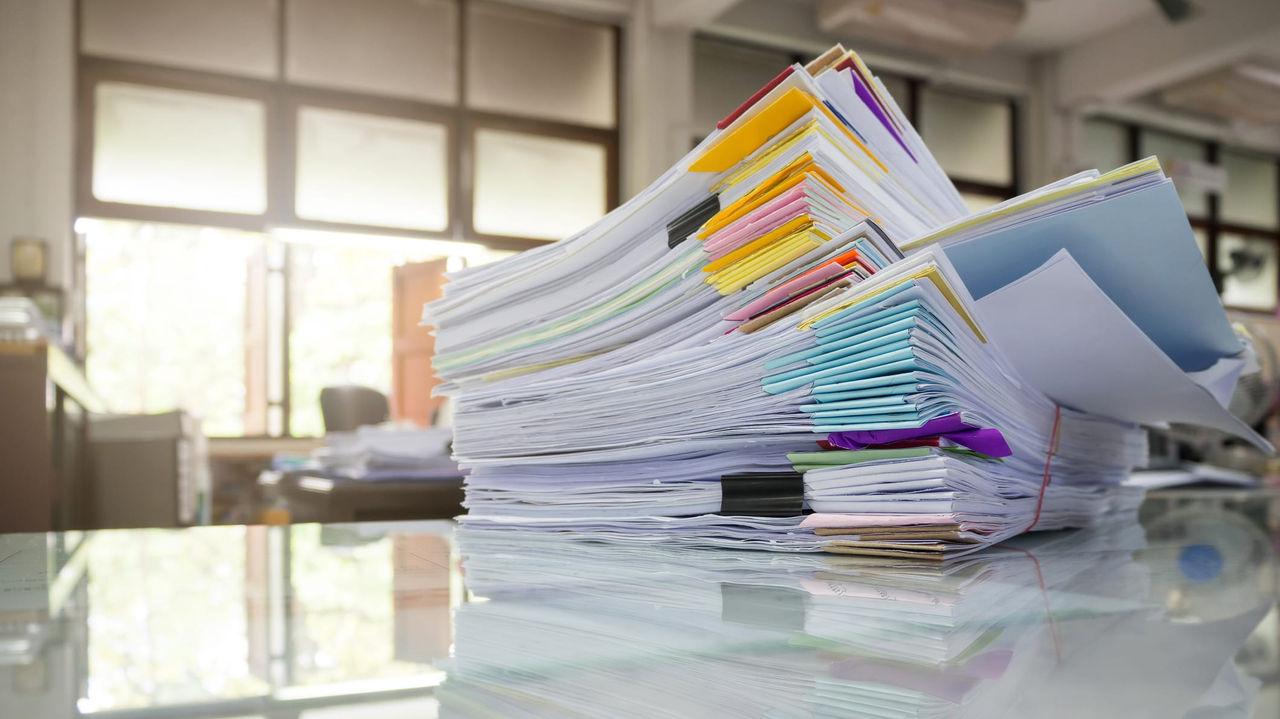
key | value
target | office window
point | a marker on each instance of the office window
(371, 170)
(1171, 149)
(340, 322)
(976, 202)
(972, 138)
(166, 319)
(1251, 195)
(227, 323)
(899, 88)
(350, 113)
(1202, 241)
(1250, 277)
(1104, 145)
(1237, 230)
(1248, 249)
(969, 136)
(270, 161)
(172, 148)
(512, 195)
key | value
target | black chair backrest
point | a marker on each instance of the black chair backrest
(347, 407)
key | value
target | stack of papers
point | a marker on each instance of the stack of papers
(388, 452)
(796, 340)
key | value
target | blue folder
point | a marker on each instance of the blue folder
(1155, 274)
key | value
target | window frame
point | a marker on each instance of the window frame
(1212, 223)
(543, 128)
(287, 187)
(94, 71)
(915, 88)
(282, 99)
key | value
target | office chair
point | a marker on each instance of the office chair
(347, 407)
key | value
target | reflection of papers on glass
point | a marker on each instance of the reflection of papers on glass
(1050, 625)
(1191, 473)
(24, 580)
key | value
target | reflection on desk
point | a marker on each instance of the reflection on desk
(233, 622)
(1113, 621)
(1174, 618)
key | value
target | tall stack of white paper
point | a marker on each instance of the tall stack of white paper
(744, 355)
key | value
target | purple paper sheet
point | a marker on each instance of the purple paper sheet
(865, 95)
(983, 440)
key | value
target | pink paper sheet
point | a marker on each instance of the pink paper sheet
(855, 521)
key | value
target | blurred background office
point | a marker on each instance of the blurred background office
(220, 208)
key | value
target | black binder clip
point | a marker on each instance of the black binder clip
(762, 494)
(679, 229)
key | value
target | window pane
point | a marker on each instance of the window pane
(979, 202)
(172, 148)
(1170, 148)
(897, 86)
(725, 74)
(371, 170)
(1104, 145)
(340, 291)
(970, 136)
(1202, 240)
(537, 65)
(166, 319)
(1248, 265)
(229, 36)
(1251, 191)
(405, 48)
(531, 186)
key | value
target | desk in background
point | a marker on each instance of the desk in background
(44, 426)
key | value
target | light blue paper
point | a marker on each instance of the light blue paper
(1138, 248)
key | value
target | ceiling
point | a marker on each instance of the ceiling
(1052, 25)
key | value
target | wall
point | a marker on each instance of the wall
(37, 129)
(657, 98)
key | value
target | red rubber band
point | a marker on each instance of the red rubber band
(1053, 449)
(1044, 592)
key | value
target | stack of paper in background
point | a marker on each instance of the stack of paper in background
(377, 452)
(743, 355)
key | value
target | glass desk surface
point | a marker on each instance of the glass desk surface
(1175, 617)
